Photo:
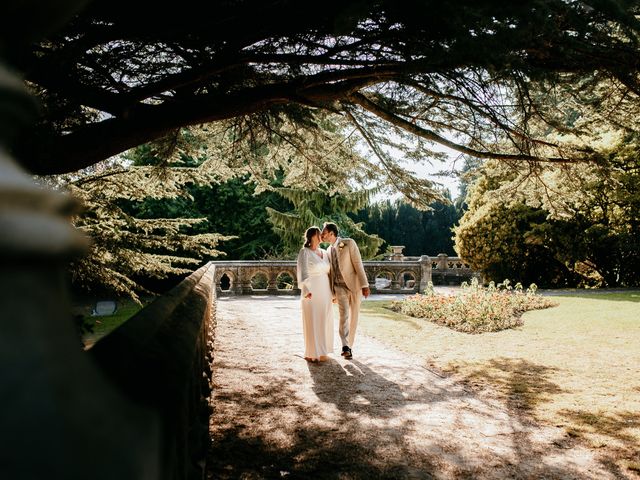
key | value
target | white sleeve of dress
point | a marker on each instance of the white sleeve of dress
(302, 271)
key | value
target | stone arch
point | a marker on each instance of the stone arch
(408, 279)
(383, 279)
(259, 280)
(226, 281)
(286, 280)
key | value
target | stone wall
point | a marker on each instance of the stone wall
(400, 275)
(160, 359)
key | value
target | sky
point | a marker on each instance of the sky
(439, 172)
(449, 166)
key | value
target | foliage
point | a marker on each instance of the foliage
(125, 248)
(314, 208)
(575, 225)
(475, 309)
(103, 325)
(347, 97)
(421, 232)
(495, 243)
(231, 207)
(485, 78)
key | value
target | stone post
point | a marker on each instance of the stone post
(425, 272)
(60, 416)
(272, 284)
(236, 286)
(442, 262)
(244, 280)
(396, 254)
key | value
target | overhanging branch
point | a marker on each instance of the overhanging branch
(362, 101)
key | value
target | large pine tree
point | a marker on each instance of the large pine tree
(484, 78)
(315, 208)
(420, 232)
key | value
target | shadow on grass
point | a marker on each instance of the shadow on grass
(613, 426)
(522, 384)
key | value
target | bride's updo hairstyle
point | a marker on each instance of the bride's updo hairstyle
(309, 234)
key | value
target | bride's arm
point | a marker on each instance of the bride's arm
(302, 271)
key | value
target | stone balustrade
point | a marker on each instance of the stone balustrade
(398, 275)
(447, 270)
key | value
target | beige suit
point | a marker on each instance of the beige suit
(355, 278)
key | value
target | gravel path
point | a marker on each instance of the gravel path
(379, 415)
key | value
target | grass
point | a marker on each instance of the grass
(102, 325)
(576, 366)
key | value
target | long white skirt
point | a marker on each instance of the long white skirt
(317, 318)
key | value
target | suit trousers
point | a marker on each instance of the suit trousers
(349, 308)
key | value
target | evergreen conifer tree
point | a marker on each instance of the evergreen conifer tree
(315, 208)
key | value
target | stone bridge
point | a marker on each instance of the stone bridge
(397, 274)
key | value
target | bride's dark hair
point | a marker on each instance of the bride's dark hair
(309, 234)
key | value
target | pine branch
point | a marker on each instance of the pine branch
(362, 101)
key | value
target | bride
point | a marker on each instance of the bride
(317, 311)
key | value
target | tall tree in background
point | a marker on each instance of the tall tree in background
(314, 208)
(235, 208)
(421, 232)
(227, 204)
(577, 225)
(231, 207)
(128, 249)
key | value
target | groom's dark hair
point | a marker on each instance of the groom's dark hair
(332, 227)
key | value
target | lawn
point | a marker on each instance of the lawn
(576, 365)
(105, 324)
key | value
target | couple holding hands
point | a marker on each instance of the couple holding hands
(324, 277)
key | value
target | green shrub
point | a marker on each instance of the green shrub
(475, 309)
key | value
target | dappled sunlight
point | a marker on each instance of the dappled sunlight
(618, 432)
(380, 415)
(523, 384)
(621, 427)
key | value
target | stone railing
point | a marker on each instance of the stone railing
(400, 275)
(447, 270)
(160, 359)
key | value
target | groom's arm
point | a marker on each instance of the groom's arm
(358, 266)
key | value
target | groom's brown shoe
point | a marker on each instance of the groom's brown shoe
(346, 353)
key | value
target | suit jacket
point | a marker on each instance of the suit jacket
(350, 263)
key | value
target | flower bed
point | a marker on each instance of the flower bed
(475, 309)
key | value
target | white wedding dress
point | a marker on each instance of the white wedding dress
(317, 311)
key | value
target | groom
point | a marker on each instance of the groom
(348, 280)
